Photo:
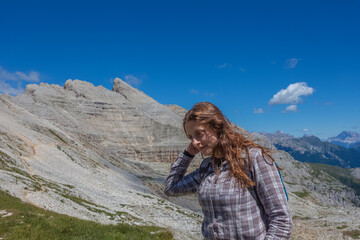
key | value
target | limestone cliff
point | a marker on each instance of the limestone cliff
(111, 150)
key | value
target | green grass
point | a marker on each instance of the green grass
(29, 222)
(341, 174)
(353, 234)
(342, 227)
(300, 217)
(57, 136)
(302, 194)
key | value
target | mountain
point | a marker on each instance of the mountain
(103, 155)
(311, 149)
(85, 151)
(346, 139)
(277, 135)
(356, 146)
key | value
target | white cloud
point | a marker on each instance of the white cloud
(224, 65)
(7, 88)
(291, 108)
(32, 76)
(209, 94)
(206, 94)
(6, 78)
(305, 130)
(292, 94)
(291, 63)
(193, 91)
(132, 80)
(242, 69)
(260, 110)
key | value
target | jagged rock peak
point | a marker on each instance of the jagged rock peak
(119, 85)
(76, 84)
(29, 89)
(69, 85)
(277, 134)
(131, 94)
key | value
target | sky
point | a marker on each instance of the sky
(292, 66)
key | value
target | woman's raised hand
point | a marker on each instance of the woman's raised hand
(192, 150)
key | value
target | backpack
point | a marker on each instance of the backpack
(203, 172)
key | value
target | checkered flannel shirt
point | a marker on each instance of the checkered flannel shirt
(231, 212)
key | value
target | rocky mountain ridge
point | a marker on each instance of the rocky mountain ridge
(345, 139)
(103, 155)
(311, 149)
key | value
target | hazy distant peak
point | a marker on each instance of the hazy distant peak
(278, 134)
(312, 139)
(345, 138)
(308, 135)
(349, 136)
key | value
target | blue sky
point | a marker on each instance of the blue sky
(292, 66)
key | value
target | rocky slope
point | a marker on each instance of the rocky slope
(104, 155)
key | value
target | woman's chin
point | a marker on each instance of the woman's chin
(206, 153)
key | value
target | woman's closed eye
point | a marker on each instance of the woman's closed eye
(199, 133)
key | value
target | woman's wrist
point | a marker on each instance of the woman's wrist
(186, 153)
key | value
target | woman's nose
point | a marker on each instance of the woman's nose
(195, 142)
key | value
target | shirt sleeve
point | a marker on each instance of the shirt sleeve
(272, 196)
(176, 183)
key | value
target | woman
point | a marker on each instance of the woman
(230, 209)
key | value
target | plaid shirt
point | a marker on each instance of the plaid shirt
(231, 212)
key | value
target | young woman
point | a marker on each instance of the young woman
(231, 210)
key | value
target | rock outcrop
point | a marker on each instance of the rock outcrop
(111, 151)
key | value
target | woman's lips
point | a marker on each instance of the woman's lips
(202, 148)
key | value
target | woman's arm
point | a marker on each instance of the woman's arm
(271, 193)
(176, 183)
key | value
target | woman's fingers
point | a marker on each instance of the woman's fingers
(192, 150)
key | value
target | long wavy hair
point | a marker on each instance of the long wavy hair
(233, 142)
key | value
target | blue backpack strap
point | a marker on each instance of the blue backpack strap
(287, 198)
(252, 189)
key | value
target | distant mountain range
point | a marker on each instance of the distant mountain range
(346, 139)
(312, 149)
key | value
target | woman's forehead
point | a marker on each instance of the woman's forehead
(193, 125)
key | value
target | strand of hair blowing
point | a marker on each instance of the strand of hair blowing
(233, 142)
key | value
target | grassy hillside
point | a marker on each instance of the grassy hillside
(19, 220)
(341, 174)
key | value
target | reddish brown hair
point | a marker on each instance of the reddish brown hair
(233, 142)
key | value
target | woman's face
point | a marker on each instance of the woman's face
(202, 137)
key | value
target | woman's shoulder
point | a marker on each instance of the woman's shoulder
(254, 152)
(257, 155)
